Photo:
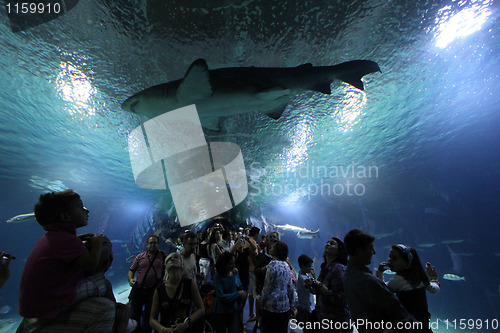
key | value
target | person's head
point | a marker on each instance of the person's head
(204, 236)
(226, 235)
(214, 237)
(189, 241)
(359, 246)
(264, 237)
(254, 232)
(173, 264)
(61, 207)
(279, 250)
(225, 263)
(106, 258)
(272, 238)
(153, 244)
(305, 263)
(404, 261)
(335, 250)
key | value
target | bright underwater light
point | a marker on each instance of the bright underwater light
(463, 23)
(75, 87)
(351, 108)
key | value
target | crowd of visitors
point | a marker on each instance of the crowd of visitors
(208, 278)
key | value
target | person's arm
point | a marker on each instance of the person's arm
(379, 272)
(269, 282)
(398, 283)
(130, 277)
(90, 260)
(254, 250)
(198, 302)
(240, 242)
(434, 286)
(388, 305)
(153, 318)
(333, 286)
(219, 291)
(217, 251)
(292, 294)
(195, 316)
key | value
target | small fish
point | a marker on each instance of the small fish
(385, 234)
(453, 241)
(117, 241)
(5, 309)
(426, 245)
(389, 272)
(453, 277)
(131, 258)
(123, 291)
(22, 218)
(434, 211)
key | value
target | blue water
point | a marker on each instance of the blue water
(428, 126)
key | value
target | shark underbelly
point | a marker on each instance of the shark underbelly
(220, 104)
(225, 105)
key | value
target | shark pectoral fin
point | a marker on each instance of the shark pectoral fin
(211, 123)
(274, 94)
(277, 112)
(323, 88)
(352, 71)
(278, 97)
(196, 83)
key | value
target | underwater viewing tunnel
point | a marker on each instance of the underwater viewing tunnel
(304, 118)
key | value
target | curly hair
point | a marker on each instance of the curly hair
(52, 204)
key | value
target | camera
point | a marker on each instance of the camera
(310, 283)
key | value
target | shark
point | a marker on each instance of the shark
(230, 91)
(302, 233)
(308, 234)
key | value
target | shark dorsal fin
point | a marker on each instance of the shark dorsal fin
(196, 83)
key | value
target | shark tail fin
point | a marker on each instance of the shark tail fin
(352, 71)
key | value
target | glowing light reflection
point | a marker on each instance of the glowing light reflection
(350, 109)
(74, 87)
(294, 200)
(298, 152)
(463, 23)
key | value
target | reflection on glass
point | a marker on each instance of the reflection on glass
(74, 87)
(451, 26)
